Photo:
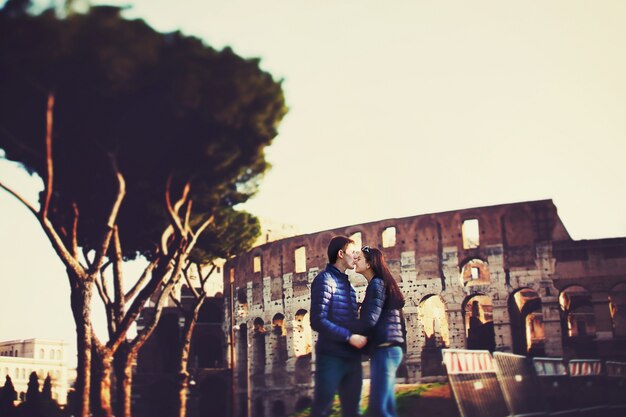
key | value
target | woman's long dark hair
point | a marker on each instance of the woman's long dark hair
(377, 262)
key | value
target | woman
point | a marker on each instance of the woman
(381, 321)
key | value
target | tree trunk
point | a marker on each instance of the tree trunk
(105, 385)
(182, 394)
(81, 299)
(184, 361)
(101, 382)
(123, 365)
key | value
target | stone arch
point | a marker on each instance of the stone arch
(526, 318)
(577, 310)
(258, 352)
(302, 337)
(478, 319)
(356, 234)
(475, 271)
(617, 306)
(578, 322)
(278, 409)
(242, 356)
(433, 321)
(279, 352)
(302, 346)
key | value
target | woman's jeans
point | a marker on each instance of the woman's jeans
(383, 366)
(332, 374)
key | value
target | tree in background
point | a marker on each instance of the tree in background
(7, 396)
(145, 142)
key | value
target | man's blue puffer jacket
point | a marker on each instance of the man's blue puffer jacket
(333, 312)
(379, 321)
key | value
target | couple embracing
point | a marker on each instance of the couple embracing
(344, 334)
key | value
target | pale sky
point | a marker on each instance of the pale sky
(397, 108)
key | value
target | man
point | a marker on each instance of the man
(333, 311)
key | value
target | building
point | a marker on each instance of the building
(506, 277)
(157, 373)
(19, 358)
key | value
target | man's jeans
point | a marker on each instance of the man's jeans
(332, 374)
(383, 366)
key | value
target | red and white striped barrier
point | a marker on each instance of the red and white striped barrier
(459, 361)
(585, 367)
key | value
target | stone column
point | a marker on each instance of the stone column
(602, 314)
(552, 324)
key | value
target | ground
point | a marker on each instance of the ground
(434, 401)
(413, 400)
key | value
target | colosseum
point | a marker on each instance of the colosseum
(506, 278)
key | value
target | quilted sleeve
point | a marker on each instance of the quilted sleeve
(322, 290)
(373, 303)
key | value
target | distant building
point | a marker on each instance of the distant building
(156, 375)
(19, 358)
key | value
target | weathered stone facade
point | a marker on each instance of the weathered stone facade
(506, 277)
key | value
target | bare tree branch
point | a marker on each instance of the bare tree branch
(201, 229)
(101, 290)
(158, 276)
(49, 164)
(104, 281)
(173, 210)
(143, 335)
(204, 279)
(121, 192)
(118, 278)
(74, 234)
(144, 277)
(57, 243)
(175, 300)
(165, 238)
(20, 198)
(188, 216)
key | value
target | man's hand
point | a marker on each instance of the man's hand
(358, 341)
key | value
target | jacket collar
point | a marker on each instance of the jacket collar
(336, 272)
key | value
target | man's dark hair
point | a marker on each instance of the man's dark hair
(336, 244)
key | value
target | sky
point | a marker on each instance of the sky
(396, 109)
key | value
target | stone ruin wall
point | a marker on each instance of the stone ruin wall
(428, 259)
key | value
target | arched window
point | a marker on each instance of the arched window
(479, 323)
(389, 237)
(358, 240)
(577, 311)
(471, 234)
(475, 272)
(258, 352)
(526, 318)
(302, 337)
(300, 259)
(433, 318)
